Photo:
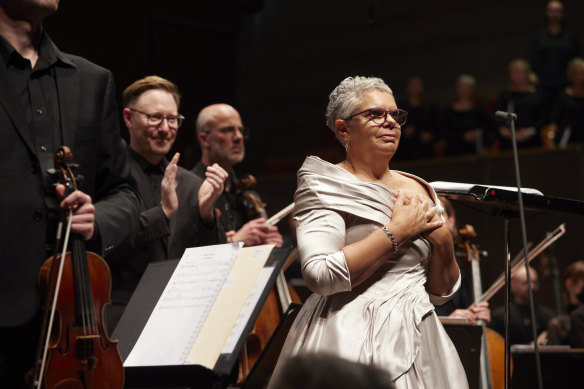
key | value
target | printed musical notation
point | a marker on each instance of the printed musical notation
(186, 301)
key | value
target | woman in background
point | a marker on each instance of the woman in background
(464, 125)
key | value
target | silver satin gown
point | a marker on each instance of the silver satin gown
(388, 320)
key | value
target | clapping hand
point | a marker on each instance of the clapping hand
(168, 197)
(211, 189)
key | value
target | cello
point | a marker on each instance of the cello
(75, 351)
(279, 297)
(492, 363)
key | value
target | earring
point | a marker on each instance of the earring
(347, 146)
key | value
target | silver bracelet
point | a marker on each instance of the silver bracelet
(390, 236)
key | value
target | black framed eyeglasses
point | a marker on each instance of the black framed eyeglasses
(379, 115)
(230, 131)
(155, 119)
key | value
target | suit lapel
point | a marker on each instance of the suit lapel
(10, 102)
(68, 88)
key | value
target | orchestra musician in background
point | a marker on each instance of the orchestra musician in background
(221, 135)
(48, 99)
(519, 312)
(566, 328)
(460, 304)
(177, 207)
(574, 282)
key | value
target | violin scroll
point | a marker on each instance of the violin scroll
(253, 204)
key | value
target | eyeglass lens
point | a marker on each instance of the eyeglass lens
(378, 116)
(173, 121)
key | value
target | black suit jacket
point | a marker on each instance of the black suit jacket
(90, 127)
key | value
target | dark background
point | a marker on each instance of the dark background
(276, 61)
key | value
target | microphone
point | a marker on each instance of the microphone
(505, 116)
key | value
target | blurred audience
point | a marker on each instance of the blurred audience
(316, 371)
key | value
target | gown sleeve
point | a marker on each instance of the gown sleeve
(321, 235)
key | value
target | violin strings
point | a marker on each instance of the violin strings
(80, 298)
(54, 304)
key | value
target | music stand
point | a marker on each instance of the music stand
(498, 201)
(466, 338)
(266, 362)
(138, 311)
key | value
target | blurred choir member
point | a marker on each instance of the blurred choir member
(464, 125)
(520, 97)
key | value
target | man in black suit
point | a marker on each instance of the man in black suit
(175, 214)
(47, 99)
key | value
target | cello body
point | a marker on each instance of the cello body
(273, 308)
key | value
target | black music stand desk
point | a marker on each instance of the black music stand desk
(141, 305)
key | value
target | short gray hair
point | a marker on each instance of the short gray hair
(573, 64)
(466, 79)
(345, 97)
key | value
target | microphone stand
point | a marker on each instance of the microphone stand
(510, 118)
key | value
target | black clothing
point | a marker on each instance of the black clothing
(576, 335)
(77, 100)
(520, 322)
(157, 238)
(529, 107)
(568, 113)
(571, 307)
(230, 204)
(453, 125)
(421, 121)
(549, 56)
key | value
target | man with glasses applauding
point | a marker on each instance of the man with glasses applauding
(221, 135)
(177, 207)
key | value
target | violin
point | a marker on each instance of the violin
(75, 351)
(279, 297)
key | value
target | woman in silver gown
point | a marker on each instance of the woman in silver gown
(374, 250)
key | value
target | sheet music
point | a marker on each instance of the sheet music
(247, 310)
(182, 308)
(230, 302)
(467, 188)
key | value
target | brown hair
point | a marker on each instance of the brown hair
(135, 90)
(574, 271)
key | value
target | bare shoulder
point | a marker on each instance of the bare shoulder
(412, 184)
